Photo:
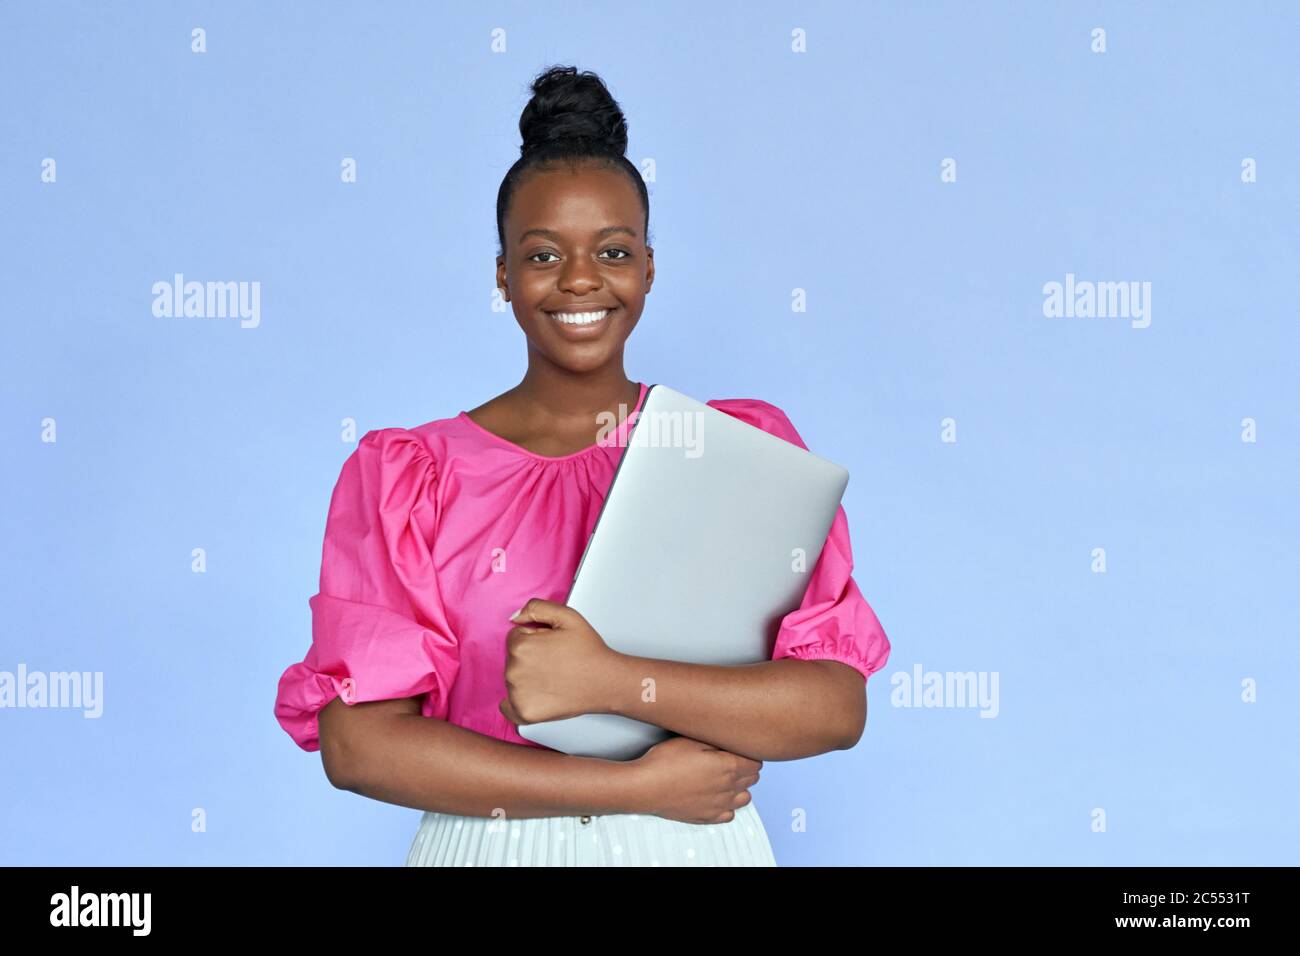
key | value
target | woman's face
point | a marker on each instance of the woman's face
(574, 245)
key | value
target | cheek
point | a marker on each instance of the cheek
(630, 319)
(529, 292)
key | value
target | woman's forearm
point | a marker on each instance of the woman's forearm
(400, 757)
(774, 710)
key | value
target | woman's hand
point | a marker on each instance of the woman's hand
(693, 782)
(556, 671)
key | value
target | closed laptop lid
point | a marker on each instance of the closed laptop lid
(707, 538)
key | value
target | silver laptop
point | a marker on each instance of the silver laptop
(707, 538)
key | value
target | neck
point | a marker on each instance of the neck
(559, 395)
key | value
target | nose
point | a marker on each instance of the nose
(579, 276)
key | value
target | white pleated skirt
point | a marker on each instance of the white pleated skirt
(618, 839)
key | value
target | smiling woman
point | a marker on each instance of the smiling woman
(573, 217)
(420, 669)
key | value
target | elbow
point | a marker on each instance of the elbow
(336, 770)
(847, 732)
(847, 701)
(335, 752)
(850, 737)
(855, 726)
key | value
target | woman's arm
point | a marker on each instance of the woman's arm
(774, 710)
(781, 709)
(389, 751)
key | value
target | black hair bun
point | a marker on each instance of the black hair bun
(572, 108)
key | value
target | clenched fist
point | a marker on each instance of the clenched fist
(557, 666)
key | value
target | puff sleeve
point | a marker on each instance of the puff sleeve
(834, 621)
(379, 630)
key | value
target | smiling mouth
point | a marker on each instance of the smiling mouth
(580, 318)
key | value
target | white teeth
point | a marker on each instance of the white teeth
(579, 318)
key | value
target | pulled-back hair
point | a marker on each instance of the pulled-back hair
(571, 118)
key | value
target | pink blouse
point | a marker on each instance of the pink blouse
(437, 534)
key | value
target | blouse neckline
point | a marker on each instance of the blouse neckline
(616, 439)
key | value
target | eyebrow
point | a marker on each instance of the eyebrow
(601, 234)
